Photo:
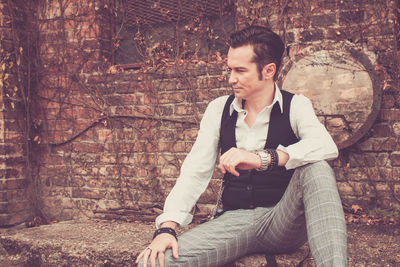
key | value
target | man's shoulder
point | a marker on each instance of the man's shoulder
(215, 108)
(219, 101)
(300, 98)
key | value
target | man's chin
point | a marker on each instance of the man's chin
(238, 93)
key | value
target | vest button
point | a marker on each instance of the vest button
(249, 187)
(251, 206)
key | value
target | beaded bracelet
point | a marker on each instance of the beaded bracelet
(274, 159)
(166, 230)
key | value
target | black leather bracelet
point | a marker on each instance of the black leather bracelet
(166, 230)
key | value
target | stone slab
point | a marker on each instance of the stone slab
(117, 243)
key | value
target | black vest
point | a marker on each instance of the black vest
(255, 188)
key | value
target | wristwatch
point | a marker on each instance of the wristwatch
(264, 156)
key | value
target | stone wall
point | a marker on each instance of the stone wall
(111, 140)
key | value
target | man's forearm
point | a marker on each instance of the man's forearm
(283, 157)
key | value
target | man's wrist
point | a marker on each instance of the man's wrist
(283, 157)
(169, 224)
(264, 160)
(165, 230)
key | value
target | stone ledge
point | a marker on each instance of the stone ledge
(117, 243)
(89, 243)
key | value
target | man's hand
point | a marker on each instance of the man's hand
(238, 158)
(158, 246)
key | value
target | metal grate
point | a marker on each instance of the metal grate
(162, 11)
(201, 25)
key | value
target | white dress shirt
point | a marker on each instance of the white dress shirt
(315, 144)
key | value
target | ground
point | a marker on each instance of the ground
(117, 243)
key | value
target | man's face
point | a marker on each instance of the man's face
(244, 76)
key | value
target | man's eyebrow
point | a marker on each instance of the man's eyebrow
(239, 68)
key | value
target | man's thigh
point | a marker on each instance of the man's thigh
(216, 242)
(310, 197)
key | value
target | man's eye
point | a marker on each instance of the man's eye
(229, 70)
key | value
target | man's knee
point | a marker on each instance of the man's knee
(319, 168)
(318, 172)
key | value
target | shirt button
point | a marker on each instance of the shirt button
(251, 206)
(245, 113)
(249, 187)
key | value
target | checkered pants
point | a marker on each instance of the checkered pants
(309, 210)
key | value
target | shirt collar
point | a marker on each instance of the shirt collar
(237, 103)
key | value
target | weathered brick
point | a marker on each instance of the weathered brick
(184, 110)
(127, 171)
(345, 189)
(379, 174)
(389, 114)
(354, 16)
(323, 20)
(388, 101)
(13, 195)
(14, 207)
(369, 159)
(382, 130)
(383, 187)
(397, 190)
(395, 158)
(88, 147)
(105, 135)
(90, 193)
(107, 158)
(13, 173)
(10, 184)
(379, 144)
(15, 161)
(310, 35)
(213, 82)
(169, 171)
(179, 147)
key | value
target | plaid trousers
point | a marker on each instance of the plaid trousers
(309, 210)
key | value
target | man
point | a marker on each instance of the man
(278, 190)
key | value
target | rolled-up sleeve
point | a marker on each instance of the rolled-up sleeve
(197, 168)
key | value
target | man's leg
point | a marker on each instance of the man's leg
(216, 242)
(310, 207)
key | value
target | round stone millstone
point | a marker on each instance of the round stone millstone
(342, 85)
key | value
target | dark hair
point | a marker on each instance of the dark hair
(267, 45)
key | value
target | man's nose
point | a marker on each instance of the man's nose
(232, 79)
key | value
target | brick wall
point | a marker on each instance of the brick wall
(130, 158)
(15, 198)
(111, 141)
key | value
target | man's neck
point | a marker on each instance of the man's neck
(264, 98)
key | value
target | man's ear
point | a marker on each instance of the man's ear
(269, 71)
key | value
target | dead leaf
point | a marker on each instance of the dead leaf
(356, 208)
(114, 69)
